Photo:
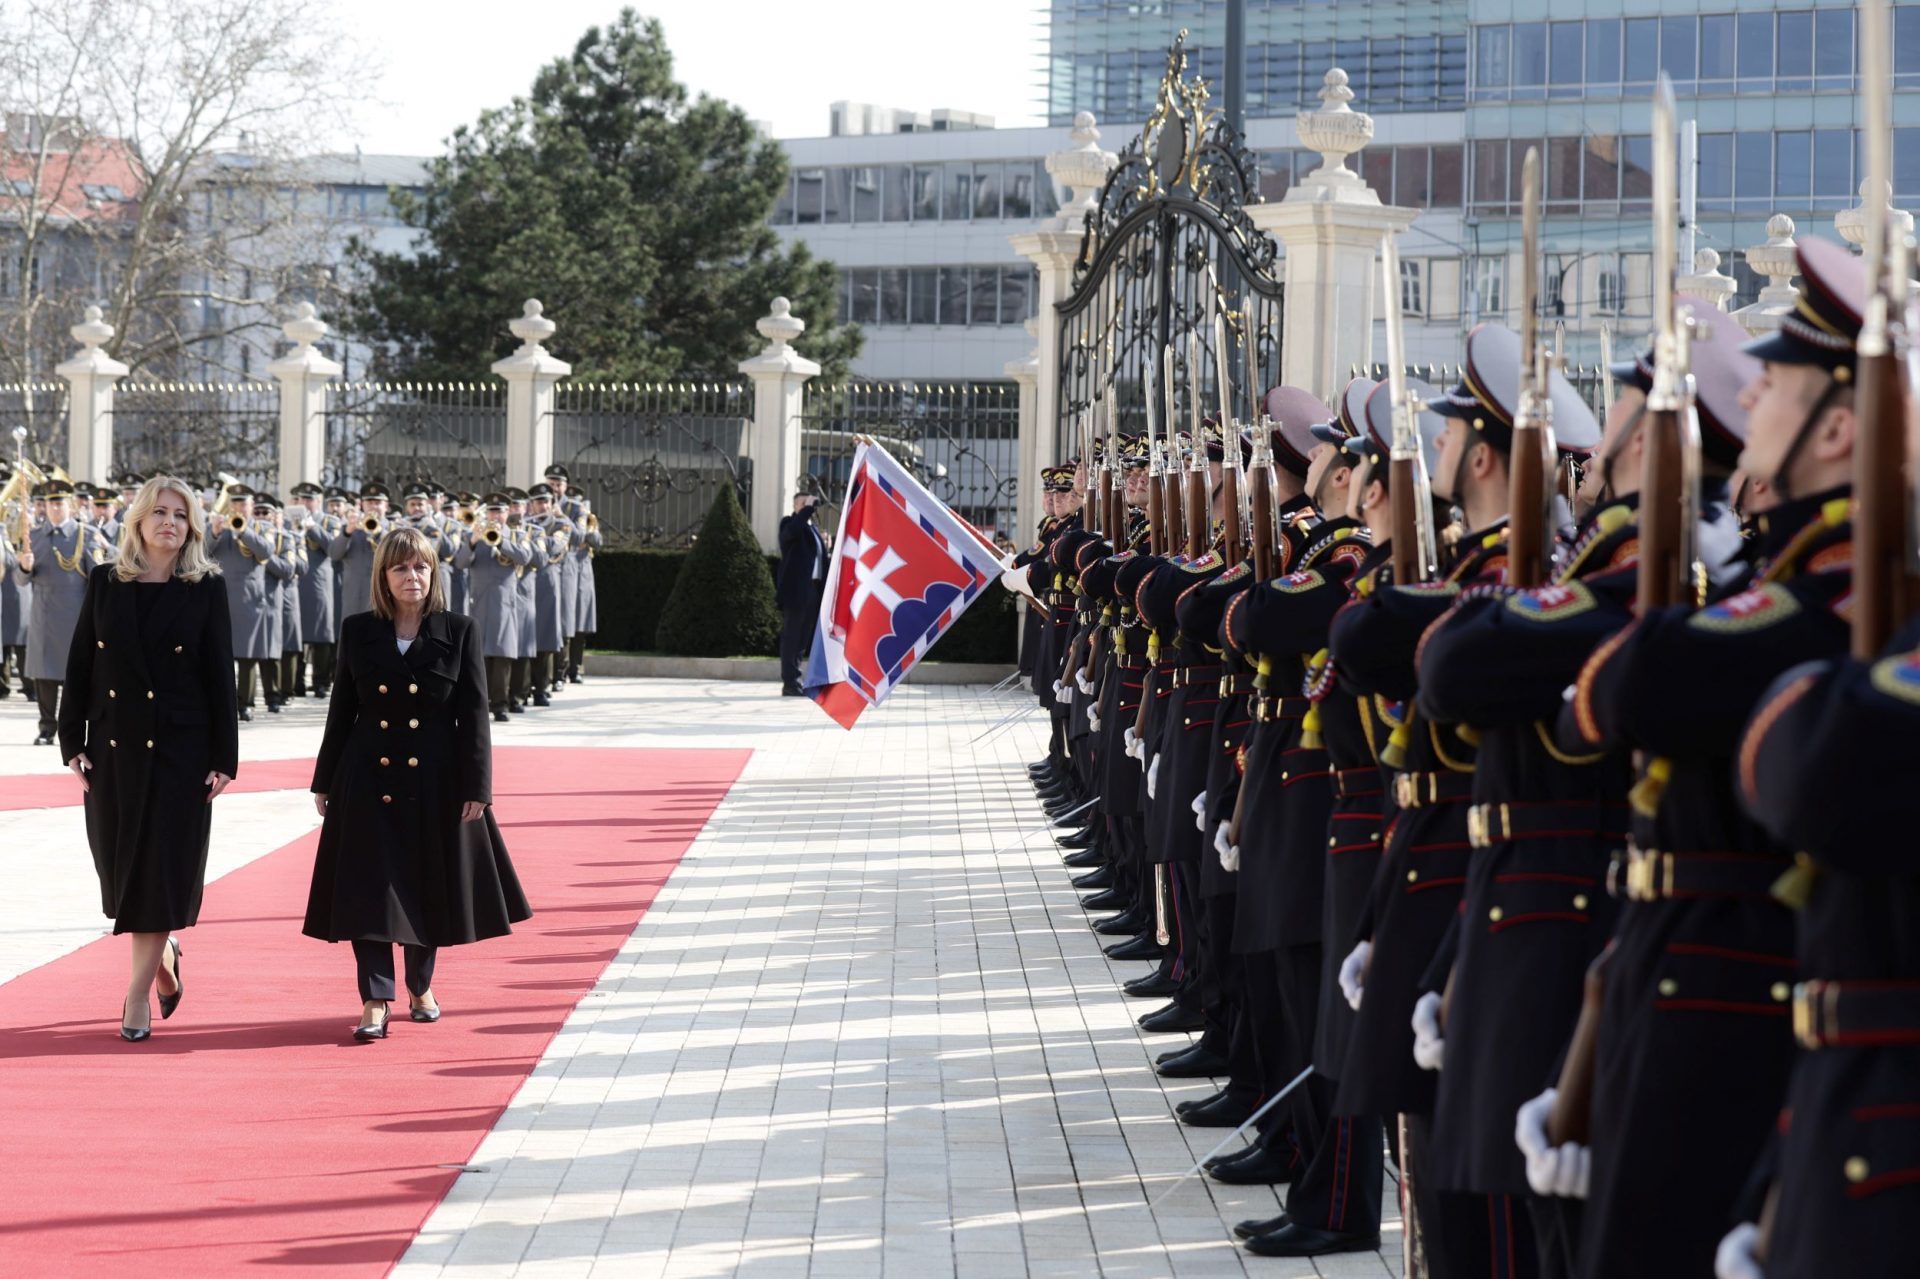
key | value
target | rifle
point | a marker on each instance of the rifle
(1529, 541)
(1260, 503)
(1199, 517)
(1170, 499)
(1230, 475)
(1408, 486)
(1115, 494)
(1156, 484)
(1883, 590)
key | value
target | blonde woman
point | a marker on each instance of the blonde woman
(148, 726)
(409, 852)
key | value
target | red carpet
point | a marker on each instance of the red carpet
(250, 1131)
(60, 790)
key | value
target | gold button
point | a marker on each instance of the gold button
(413, 688)
(383, 723)
(1413, 876)
(1669, 987)
(99, 643)
(1495, 914)
(1858, 1170)
(111, 693)
(1781, 992)
(383, 688)
(149, 694)
(1579, 901)
(179, 648)
(113, 741)
(384, 761)
(413, 763)
(149, 743)
(1284, 776)
(413, 723)
(386, 799)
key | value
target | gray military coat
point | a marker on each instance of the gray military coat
(494, 592)
(317, 622)
(524, 589)
(293, 549)
(16, 600)
(586, 611)
(63, 556)
(249, 563)
(352, 550)
(551, 625)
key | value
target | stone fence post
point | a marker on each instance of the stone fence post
(91, 373)
(779, 375)
(303, 374)
(530, 373)
(1331, 223)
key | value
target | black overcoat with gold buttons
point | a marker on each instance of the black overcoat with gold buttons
(152, 705)
(407, 743)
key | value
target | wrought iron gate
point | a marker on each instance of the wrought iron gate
(1167, 246)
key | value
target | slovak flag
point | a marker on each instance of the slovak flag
(905, 567)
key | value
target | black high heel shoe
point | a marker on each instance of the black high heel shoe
(131, 1034)
(364, 1032)
(170, 1002)
(418, 1013)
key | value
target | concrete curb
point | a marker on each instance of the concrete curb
(766, 670)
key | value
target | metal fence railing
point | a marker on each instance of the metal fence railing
(452, 433)
(33, 422)
(197, 430)
(653, 456)
(959, 439)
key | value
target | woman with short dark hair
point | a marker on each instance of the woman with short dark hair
(409, 852)
(148, 726)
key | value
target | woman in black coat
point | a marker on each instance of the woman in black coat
(409, 852)
(148, 726)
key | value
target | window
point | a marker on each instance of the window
(1016, 201)
(923, 295)
(1716, 167)
(1276, 174)
(1906, 163)
(1753, 166)
(1754, 58)
(1529, 59)
(1678, 51)
(986, 191)
(1448, 164)
(1564, 159)
(1636, 169)
(865, 307)
(1832, 163)
(1016, 294)
(783, 207)
(893, 296)
(1491, 72)
(1412, 294)
(808, 184)
(957, 203)
(926, 193)
(953, 295)
(1716, 54)
(1489, 171)
(1833, 47)
(1603, 52)
(1600, 161)
(896, 201)
(104, 192)
(1411, 188)
(1792, 164)
(986, 295)
(866, 194)
(1489, 282)
(1046, 201)
(1643, 50)
(1606, 289)
(1906, 47)
(837, 196)
(1796, 52)
(1376, 168)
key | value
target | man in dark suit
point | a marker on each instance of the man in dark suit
(803, 575)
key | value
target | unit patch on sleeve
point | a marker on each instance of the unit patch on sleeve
(1753, 610)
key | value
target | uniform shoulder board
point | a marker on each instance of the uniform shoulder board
(1238, 571)
(1296, 583)
(1750, 610)
(1552, 603)
(1205, 563)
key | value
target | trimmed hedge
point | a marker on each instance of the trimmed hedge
(632, 588)
(722, 603)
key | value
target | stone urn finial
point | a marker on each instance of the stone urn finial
(1336, 131)
(1708, 282)
(92, 332)
(305, 328)
(1852, 223)
(780, 327)
(1082, 168)
(1777, 260)
(533, 328)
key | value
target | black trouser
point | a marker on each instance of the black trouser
(576, 655)
(269, 677)
(520, 686)
(374, 960)
(499, 676)
(14, 657)
(796, 637)
(320, 662)
(47, 693)
(544, 666)
(1465, 1235)
(293, 670)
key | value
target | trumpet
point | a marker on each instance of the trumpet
(237, 522)
(491, 534)
(593, 523)
(469, 517)
(370, 526)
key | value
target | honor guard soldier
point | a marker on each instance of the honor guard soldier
(421, 511)
(552, 535)
(465, 514)
(105, 515)
(352, 549)
(317, 622)
(1699, 979)
(492, 559)
(586, 608)
(520, 687)
(16, 597)
(291, 550)
(571, 506)
(250, 562)
(58, 556)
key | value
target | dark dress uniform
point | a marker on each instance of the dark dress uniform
(1828, 766)
(407, 743)
(150, 700)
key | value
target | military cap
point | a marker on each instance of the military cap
(1293, 413)
(1827, 312)
(129, 481)
(374, 488)
(1134, 452)
(1489, 395)
(239, 490)
(1056, 479)
(337, 494)
(1351, 417)
(267, 500)
(1375, 444)
(496, 501)
(540, 492)
(416, 489)
(82, 490)
(307, 488)
(54, 488)
(466, 498)
(516, 494)
(103, 496)
(556, 472)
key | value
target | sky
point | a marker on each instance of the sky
(784, 63)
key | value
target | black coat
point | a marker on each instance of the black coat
(800, 553)
(152, 705)
(407, 743)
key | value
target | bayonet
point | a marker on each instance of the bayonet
(1408, 485)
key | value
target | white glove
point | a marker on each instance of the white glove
(1563, 1170)
(1153, 771)
(1059, 691)
(1428, 1044)
(1353, 973)
(1130, 741)
(1734, 1258)
(1093, 716)
(1229, 852)
(1200, 812)
(1081, 682)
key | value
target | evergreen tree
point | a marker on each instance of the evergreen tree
(638, 216)
(722, 603)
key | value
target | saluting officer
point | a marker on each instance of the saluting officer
(249, 558)
(492, 559)
(352, 549)
(58, 557)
